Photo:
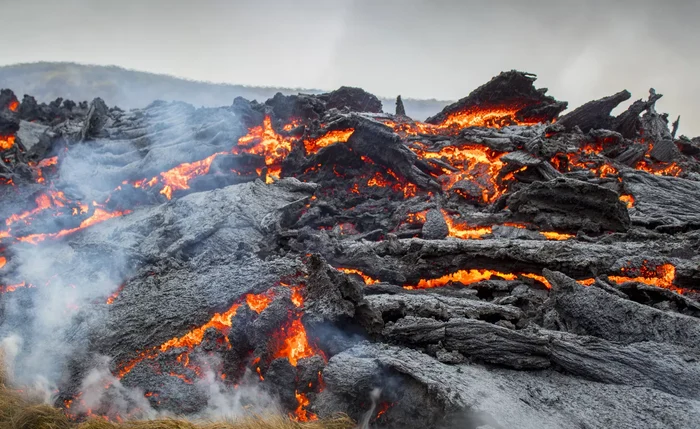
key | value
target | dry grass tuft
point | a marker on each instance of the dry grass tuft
(278, 422)
(39, 417)
(19, 411)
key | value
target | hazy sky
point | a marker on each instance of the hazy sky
(419, 48)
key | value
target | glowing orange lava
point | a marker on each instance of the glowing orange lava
(378, 180)
(264, 140)
(367, 279)
(50, 199)
(301, 414)
(115, 295)
(473, 163)
(465, 277)
(14, 105)
(258, 303)
(178, 178)
(464, 231)
(539, 278)
(219, 321)
(98, 216)
(3, 261)
(6, 142)
(491, 118)
(294, 344)
(661, 276)
(337, 136)
(662, 169)
(418, 217)
(14, 287)
(558, 236)
(627, 199)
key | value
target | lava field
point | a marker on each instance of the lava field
(498, 265)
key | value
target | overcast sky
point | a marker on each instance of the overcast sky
(418, 48)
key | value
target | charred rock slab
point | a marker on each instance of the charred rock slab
(471, 395)
(570, 205)
(351, 99)
(664, 203)
(594, 114)
(511, 89)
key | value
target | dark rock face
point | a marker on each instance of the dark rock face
(594, 114)
(511, 88)
(570, 205)
(313, 255)
(435, 227)
(353, 100)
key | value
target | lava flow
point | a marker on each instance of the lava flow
(471, 163)
(464, 231)
(6, 142)
(465, 277)
(314, 145)
(660, 276)
(99, 215)
(478, 117)
(367, 279)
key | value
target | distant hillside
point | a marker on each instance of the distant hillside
(130, 89)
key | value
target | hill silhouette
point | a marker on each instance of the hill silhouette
(125, 88)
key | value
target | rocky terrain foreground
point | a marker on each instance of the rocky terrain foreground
(499, 265)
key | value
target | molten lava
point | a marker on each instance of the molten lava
(463, 231)
(660, 169)
(539, 278)
(115, 295)
(367, 279)
(3, 261)
(465, 277)
(178, 178)
(627, 199)
(337, 136)
(660, 276)
(98, 216)
(6, 142)
(551, 235)
(50, 199)
(301, 414)
(479, 117)
(264, 140)
(471, 163)
(258, 303)
(14, 105)
(293, 343)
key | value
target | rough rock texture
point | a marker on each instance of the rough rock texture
(310, 249)
(570, 205)
(508, 88)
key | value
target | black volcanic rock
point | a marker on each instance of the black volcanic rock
(594, 114)
(352, 99)
(509, 89)
(435, 226)
(570, 205)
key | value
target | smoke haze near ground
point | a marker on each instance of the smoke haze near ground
(418, 48)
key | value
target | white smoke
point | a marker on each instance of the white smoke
(46, 329)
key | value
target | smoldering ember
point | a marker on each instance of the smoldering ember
(498, 265)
